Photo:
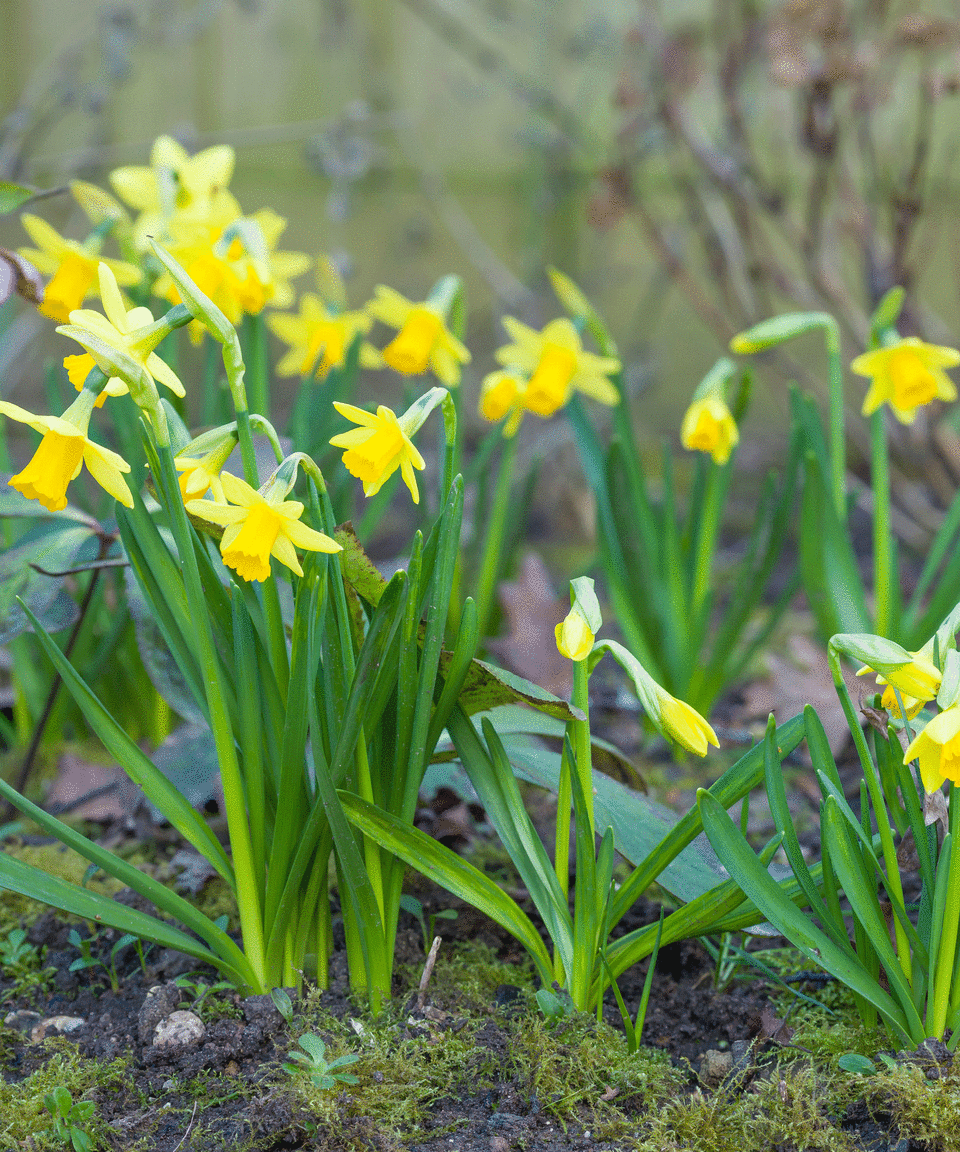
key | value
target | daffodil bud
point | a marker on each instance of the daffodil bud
(576, 633)
(778, 330)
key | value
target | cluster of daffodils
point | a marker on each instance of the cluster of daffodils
(904, 373)
(541, 371)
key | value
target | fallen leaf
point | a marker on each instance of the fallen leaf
(533, 610)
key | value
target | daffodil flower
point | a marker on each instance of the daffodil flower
(201, 474)
(907, 375)
(260, 524)
(64, 449)
(709, 426)
(937, 747)
(72, 267)
(376, 449)
(501, 394)
(176, 184)
(237, 267)
(917, 683)
(320, 337)
(133, 332)
(423, 340)
(557, 365)
(574, 637)
(683, 723)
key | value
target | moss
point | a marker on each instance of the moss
(22, 1112)
(466, 976)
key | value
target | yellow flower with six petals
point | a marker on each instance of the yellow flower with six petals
(192, 189)
(64, 449)
(319, 337)
(132, 332)
(260, 524)
(557, 365)
(72, 267)
(906, 375)
(376, 449)
(423, 340)
(708, 426)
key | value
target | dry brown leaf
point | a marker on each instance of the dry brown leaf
(533, 610)
(802, 678)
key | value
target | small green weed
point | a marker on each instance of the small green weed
(70, 1119)
(313, 1060)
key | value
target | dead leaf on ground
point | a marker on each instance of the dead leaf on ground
(533, 610)
(78, 777)
(803, 677)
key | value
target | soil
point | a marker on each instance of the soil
(226, 1087)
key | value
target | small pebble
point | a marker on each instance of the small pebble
(63, 1025)
(179, 1030)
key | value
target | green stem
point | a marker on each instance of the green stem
(493, 543)
(706, 539)
(882, 538)
(580, 734)
(256, 345)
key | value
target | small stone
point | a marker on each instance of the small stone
(179, 1030)
(160, 1001)
(22, 1021)
(499, 1144)
(715, 1067)
(57, 1026)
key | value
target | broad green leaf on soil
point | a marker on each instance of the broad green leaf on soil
(12, 196)
(54, 546)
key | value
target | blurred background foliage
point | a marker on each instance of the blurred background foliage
(695, 165)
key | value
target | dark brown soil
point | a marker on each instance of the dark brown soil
(248, 1103)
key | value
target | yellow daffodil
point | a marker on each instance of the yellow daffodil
(192, 189)
(683, 723)
(319, 336)
(937, 746)
(423, 340)
(72, 267)
(260, 525)
(133, 332)
(709, 426)
(907, 375)
(501, 394)
(201, 474)
(376, 449)
(237, 267)
(64, 449)
(917, 682)
(557, 365)
(574, 637)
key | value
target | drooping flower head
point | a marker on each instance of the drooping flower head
(423, 339)
(260, 524)
(72, 267)
(917, 683)
(683, 723)
(906, 375)
(64, 449)
(708, 426)
(378, 447)
(319, 338)
(134, 333)
(200, 474)
(557, 365)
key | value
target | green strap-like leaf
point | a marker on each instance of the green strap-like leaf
(449, 870)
